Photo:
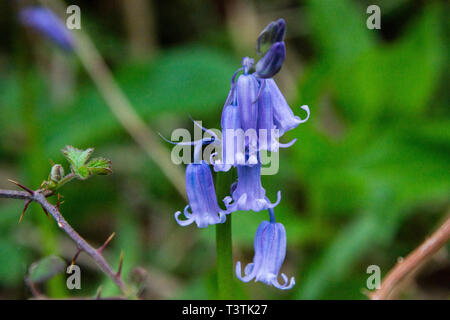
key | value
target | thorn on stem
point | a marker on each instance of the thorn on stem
(100, 250)
(27, 203)
(119, 271)
(75, 257)
(46, 212)
(59, 202)
(31, 192)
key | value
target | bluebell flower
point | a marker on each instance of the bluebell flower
(232, 142)
(271, 62)
(270, 251)
(202, 198)
(247, 90)
(49, 24)
(248, 193)
(284, 118)
(268, 134)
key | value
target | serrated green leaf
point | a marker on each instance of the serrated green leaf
(82, 172)
(46, 269)
(77, 157)
(100, 166)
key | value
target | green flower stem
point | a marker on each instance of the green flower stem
(223, 243)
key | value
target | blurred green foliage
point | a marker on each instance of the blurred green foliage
(368, 179)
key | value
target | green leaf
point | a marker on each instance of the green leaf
(100, 166)
(82, 172)
(77, 157)
(46, 269)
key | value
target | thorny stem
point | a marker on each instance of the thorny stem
(413, 261)
(40, 196)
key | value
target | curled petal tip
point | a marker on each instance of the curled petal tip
(238, 270)
(287, 145)
(273, 205)
(182, 223)
(248, 275)
(306, 108)
(286, 285)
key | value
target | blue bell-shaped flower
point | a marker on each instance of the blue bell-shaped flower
(249, 193)
(270, 251)
(268, 134)
(283, 116)
(202, 198)
(232, 142)
(247, 88)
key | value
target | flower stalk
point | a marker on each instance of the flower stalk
(224, 250)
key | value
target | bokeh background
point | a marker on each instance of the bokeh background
(364, 185)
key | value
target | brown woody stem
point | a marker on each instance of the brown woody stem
(413, 261)
(40, 196)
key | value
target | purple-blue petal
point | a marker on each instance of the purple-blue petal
(249, 193)
(283, 116)
(202, 196)
(270, 251)
(232, 142)
(49, 24)
(247, 91)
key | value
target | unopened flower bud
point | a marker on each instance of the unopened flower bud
(57, 173)
(271, 63)
(273, 32)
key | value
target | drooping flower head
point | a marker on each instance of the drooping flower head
(202, 198)
(49, 24)
(268, 133)
(283, 116)
(248, 193)
(270, 251)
